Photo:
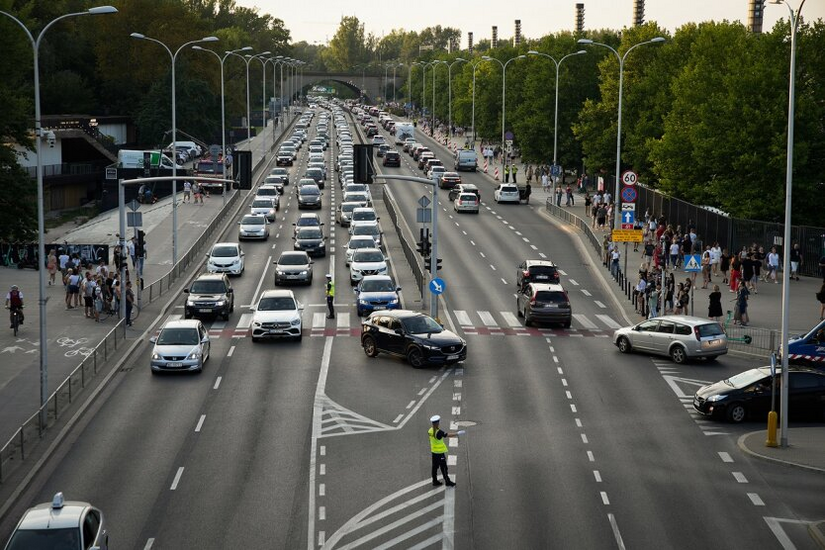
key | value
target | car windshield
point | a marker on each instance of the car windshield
(263, 203)
(208, 287)
(45, 539)
(548, 296)
(293, 259)
(356, 188)
(225, 251)
(279, 172)
(267, 192)
(253, 220)
(363, 216)
(420, 324)
(361, 243)
(310, 190)
(368, 256)
(314, 172)
(178, 337)
(746, 378)
(366, 230)
(274, 180)
(379, 285)
(277, 303)
(308, 221)
(710, 329)
(309, 233)
(206, 166)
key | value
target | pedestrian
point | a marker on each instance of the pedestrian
(438, 450)
(680, 291)
(735, 267)
(715, 304)
(528, 190)
(757, 259)
(706, 267)
(741, 314)
(821, 297)
(615, 256)
(587, 202)
(72, 289)
(796, 261)
(99, 298)
(51, 265)
(514, 170)
(606, 248)
(715, 257)
(558, 195)
(639, 291)
(670, 289)
(187, 191)
(653, 302)
(545, 182)
(674, 252)
(62, 260)
(196, 193)
(329, 291)
(724, 265)
(130, 302)
(88, 287)
(569, 193)
(130, 247)
(747, 270)
(649, 249)
(773, 265)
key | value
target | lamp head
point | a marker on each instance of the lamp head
(658, 39)
(244, 49)
(267, 52)
(196, 47)
(585, 41)
(580, 52)
(533, 52)
(460, 59)
(209, 39)
(522, 56)
(486, 57)
(102, 10)
(137, 35)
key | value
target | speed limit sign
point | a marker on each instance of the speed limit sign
(629, 177)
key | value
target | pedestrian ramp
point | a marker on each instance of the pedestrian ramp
(507, 323)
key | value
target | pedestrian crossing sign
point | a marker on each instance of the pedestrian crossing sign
(693, 263)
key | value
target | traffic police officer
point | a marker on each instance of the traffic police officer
(514, 169)
(330, 293)
(506, 173)
(438, 448)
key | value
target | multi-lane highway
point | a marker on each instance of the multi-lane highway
(307, 444)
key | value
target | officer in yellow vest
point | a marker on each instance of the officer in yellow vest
(330, 293)
(506, 173)
(514, 169)
(438, 448)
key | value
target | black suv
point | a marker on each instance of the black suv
(413, 335)
(210, 294)
(539, 271)
(464, 188)
(392, 158)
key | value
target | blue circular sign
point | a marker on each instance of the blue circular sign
(438, 286)
(628, 194)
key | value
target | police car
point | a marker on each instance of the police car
(60, 524)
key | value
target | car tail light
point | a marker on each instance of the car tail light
(533, 300)
(696, 333)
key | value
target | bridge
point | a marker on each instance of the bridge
(371, 85)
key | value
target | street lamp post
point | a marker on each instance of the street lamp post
(556, 115)
(786, 239)
(394, 81)
(41, 231)
(262, 58)
(621, 59)
(174, 57)
(222, 60)
(503, 100)
(450, 96)
(409, 84)
(473, 119)
(435, 64)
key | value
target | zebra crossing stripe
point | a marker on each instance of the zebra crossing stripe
(319, 320)
(584, 321)
(607, 320)
(510, 318)
(487, 318)
(343, 320)
(245, 321)
(462, 318)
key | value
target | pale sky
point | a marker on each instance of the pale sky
(318, 20)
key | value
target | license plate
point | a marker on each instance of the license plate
(292, 276)
(275, 331)
(205, 311)
(541, 277)
(451, 357)
(174, 365)
(378, 308)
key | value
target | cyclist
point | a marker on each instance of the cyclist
(14, 302)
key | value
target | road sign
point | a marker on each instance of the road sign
(111, 173)
(215, 151)
(628, 194)
(693, 263)
(629, 178)
(627, 235)
(508, 135)
(424, 201)
(555, 170)
(134, 219)
(134, 205)
(628, 207)
(628, 218)
(423, 215)
(438, 286)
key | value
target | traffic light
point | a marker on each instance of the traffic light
(424, 244)
(428, 264)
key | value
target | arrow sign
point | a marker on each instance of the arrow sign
(693, 263)
(628, 217)
(424, 202)
(438, 286)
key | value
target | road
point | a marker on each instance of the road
(569, 444)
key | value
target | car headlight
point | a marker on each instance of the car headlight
(715, 398)
(156, 356)
(219, 303)
(194, 355)
(296, 322)
(279, 272)
(428, 346)
(304, 272)
(382, 269)
(394, 301)
(190, 303)
(363, 302)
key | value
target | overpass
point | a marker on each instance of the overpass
(371, 85)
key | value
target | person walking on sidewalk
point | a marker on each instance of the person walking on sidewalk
(773, 265)
(796, 261)
(587, 202)
(615, 256)
(329, 291)
(545, 182)
(724, 265)
(715, 304)
(653, 302)
(735, 272)
(187, 191)
(51, 265)
(130, 302)
(715, 257)
(741, 313)
(438, 451)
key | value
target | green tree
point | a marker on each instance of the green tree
(348, 47)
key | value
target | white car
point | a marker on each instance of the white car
(370, 229)
(363, 216)
(60, 524)
(263, 206)
(357, 243)
(182, 345)
(269, 192)
(378, 139)
(225, 258)
(466, 202)
(358, 188)
(506, 193)
(277, 315)
(366, 261)
(436, 171)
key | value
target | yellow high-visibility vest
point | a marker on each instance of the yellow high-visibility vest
(330, 289)
(436, 445)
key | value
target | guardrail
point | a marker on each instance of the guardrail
(403, 232)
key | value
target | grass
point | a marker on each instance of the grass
(66, 216)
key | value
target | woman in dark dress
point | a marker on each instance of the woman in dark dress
(715, 304)
(670, 288)
(724, 265)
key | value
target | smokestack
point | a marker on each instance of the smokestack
(517, 35)
(638, 12)
(494, 43)
(470, 41)
(579, 18)
(756, 9)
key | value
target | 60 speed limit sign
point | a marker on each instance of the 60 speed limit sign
(629, 177)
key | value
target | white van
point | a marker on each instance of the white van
(129, 158)
(466, 160)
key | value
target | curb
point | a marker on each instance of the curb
(748, 451)
(817, 532)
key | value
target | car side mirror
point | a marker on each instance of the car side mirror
(300, 306)
(239, 223)
(253, 308)
(399, 331)
(153, 340)
(186, 291)
(243, 253)
(229, 291)
(205, 340)
(398, 289)
(311, 262)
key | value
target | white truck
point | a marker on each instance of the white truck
(402, 132)
(131, 158)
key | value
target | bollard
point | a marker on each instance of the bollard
(771, 441)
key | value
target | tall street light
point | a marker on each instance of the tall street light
(279, 61)
(174, 57)
(436, 64)
(503, 100)
(617, 219)
(41, 231)
(786, 239)
(262, 58)
(450, 95)
(473, 119)
(394, 81)
(556, 115)
(409, 82)
(222, 60)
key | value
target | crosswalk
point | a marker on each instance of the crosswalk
(506, 322)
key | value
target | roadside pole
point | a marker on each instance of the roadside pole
(434, 252)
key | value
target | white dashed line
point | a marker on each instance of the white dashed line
(598, 303)
(492, 267)
(534, 247)
(725, 456)
(543, 255)
(573, 282)
(755, 499)
(231, 351)
(177, 479)
(597, 475)
(217, 383)
(584, 439)
(200, 423)
(605, 500)
(590, 456)
(503, 281)
(740, 477)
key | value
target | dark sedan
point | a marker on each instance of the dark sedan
(413, 335)
(311, 240)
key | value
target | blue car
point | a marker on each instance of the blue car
(375, 293)
(808, 349)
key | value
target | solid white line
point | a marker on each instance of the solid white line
(755, 499)
(177, 479)
(598, 476)
(316, 431)
(616, 534)
(149, 544)
(725, 456)
(590, 456)
(200, 423)
(605, 500)
(231, 351)
(261, 280)
(779, 532)
(740, 477)
(217, 383)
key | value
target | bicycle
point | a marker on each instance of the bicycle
(15, 318)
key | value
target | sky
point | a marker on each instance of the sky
(317, 22)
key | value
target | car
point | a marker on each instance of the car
(278, 182)
(253, 226)
(506, 192)
(316, 148)
(423, 158)
(747, 395)
(225, 258)
(377, 139)
(433, 162)
(466, 202)
(209, 294)
(376, 292)
(361, 198)
(449, 180)
(363, 215)
(293, 267)
(413, 335)
(435, 172)
(284, 158)
(282, 172)
(291, 149)
(544, 303)
(60, 524)
(307, 220)
(317, 175)
(463, 188)
(381, 150)
(357, 243)
(681, 337)
(311, 240)
(265, 207)
(366, 261)
(367, 229)
(181, 345)
(409, 144)
(392, 158)
(277, 315)
(344, 212)
(419, 150)
(540, 271)
(319, 166)
(269, 192)
(309, 196)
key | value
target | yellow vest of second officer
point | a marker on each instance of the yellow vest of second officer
(436, 445)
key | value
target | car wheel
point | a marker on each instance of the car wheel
(187, 315)
(368, 343)
(736, 413)
(678, 355)
(255, 340)
(711, 359)
(225, 316)
(624, 344)
(566, 324)
(415, 357)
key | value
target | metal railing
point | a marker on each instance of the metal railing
(405, 236)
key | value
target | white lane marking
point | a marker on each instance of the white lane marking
(518, 233)
(608, 321)
(568, 394)
(597, 475)
(322, 514)
(616, 534)
(487, 318)
(322, 489)
(779, 532)
(590, 456)
(573, 282)
(534, 247)
(555, 359)
(586, 292)
(177, 479)
(317, 413)
(217, 383)
(605, 500)
(200, 423)
(492, 267)
(244, 321)
(217, 325)
(579, 423)
(740, 477)
(543, 255)
(411, 404)
(462, 318)
(573, 408)
(725, 456)
(561, 272)
(525, 239)
(503, 280)
(755, 499)
(482, 254)
(584, 439)
(564, 383)
(231, 351)
(398, 419)
(598, 303)
(319, 320)
(510, 318)
(463, 231)
(261, 280)
(422, 392)
(149, 544)
(343, 320)
(584, 321)
(322, 469)
(472, 243)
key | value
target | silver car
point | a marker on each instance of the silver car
(680, 337)
(293, 267)
(253, 226)
(60, 524)
(182, 345)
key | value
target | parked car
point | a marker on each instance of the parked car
(293, 267)
(181, 345)
(253, 226)
(60, 524)
(544, 303)
(225, 258)
(679, 336)
(277, 315)
(210, 294)
(375, 293)
(413, 335)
